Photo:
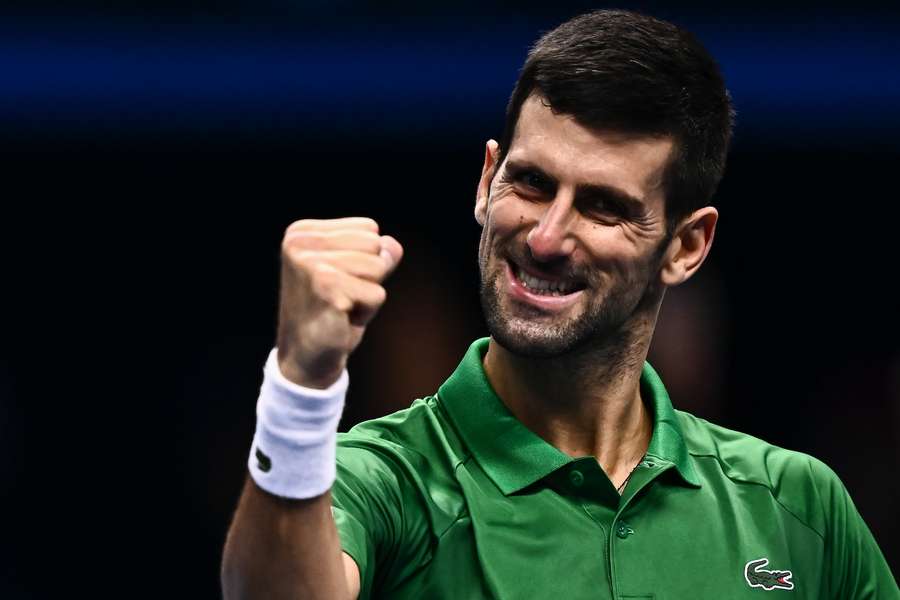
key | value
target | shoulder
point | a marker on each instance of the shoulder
(416, 444)
(802, 484)
(421, 431)
(414, 452)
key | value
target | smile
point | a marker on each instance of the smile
(543, 286)
(543, 293)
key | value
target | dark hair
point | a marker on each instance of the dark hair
(620, 70)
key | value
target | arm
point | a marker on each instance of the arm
(286, 545)
(283, 548)
(858, 569)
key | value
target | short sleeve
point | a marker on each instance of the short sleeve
(858, 569)
(379, 514)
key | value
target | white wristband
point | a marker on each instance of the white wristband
(293, 452)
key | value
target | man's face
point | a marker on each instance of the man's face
(574, 209)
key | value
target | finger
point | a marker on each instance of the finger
(359, 264)
(339, 239)
(364, 223)
(367, 298)
(391, 252)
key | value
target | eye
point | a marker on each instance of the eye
(606, 207)
(533, 180)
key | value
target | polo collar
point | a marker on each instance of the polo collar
(512, 455)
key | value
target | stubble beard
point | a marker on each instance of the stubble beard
(533, 333)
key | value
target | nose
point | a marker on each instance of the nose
(551, 237)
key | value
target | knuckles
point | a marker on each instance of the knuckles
(360, 223)
(360, 264)
(363, 241)
(320, 260)
(304, 239)
(302, 259)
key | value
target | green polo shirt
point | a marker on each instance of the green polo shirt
(453, 498)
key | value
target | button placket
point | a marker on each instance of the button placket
(623, 530)
(576, 477)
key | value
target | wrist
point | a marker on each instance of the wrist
(321, 378)
(293, 452)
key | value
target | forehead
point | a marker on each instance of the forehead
(571, 152)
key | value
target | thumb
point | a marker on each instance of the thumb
(391, 252)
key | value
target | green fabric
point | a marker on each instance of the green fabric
(453, 498)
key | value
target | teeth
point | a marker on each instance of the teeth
(550, 288)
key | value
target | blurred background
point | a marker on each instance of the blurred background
(154, 152)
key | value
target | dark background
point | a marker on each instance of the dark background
(154, 152)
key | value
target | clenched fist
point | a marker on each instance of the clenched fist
(331, 275)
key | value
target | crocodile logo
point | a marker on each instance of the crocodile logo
(757, 576)
(263, 462)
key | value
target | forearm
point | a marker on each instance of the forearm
(280, 548)
(283, 541)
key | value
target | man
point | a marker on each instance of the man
(551, 463)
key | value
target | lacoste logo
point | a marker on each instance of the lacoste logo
(262, 461)
(757, 576)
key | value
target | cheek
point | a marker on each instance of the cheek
(636, 269)
(643, 235)
(508, 213)
(613, 253)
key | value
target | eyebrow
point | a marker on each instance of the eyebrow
(583, 191)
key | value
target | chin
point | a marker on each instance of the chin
(530, 346)
(532, 333)
(529, 336)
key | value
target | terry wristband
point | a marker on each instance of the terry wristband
(293, 452)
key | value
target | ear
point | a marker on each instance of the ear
(491, 153)
(689, 246)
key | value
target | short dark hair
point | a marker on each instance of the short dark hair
(629, 72)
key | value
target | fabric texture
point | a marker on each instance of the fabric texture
(293, 450)
(454, 498)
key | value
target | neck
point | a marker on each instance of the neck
(585, 403)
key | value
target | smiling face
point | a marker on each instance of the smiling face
(573, 233)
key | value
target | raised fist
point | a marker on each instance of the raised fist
(331, 276)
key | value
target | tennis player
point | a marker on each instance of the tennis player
(551, 463)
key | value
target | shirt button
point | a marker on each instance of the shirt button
(576, 478)
(623, 530)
